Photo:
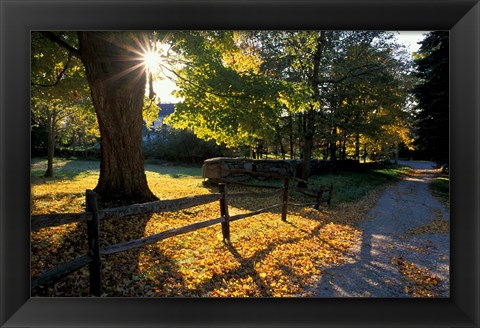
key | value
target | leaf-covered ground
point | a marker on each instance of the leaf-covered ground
(266, 257)
(420, 281)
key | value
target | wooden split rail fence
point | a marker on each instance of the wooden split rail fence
(93, 216)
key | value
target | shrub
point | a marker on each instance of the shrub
(181, 146)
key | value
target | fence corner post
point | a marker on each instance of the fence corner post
(285, 199)
(95, 266)
(224, 212)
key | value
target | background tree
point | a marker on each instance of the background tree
(432, 96)
(335, 80)
(377, 103)
(79, 131)
(59, 95)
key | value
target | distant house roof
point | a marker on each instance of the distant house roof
(165, 109)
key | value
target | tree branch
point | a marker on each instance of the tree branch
(59, 76)
(54, 38)
(352, 74)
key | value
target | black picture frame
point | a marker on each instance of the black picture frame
(18, 18)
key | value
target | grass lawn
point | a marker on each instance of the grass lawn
(441, 189)
(266, 257)
(351, 186)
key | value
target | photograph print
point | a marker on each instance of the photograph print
(240, 163)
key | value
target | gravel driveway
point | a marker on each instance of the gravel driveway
(402, 207)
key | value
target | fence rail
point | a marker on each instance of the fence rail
(93, 216)
(61, 271)
(40, 221)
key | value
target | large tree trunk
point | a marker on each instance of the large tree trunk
(117, 82)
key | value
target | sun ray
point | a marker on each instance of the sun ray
(126, 71)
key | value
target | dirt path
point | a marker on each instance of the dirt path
(407, 205)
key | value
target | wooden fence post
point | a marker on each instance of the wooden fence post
(319, 198)
(224, 212)
(285, 199)
(95, 266)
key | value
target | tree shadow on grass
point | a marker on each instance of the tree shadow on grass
(247, 267)
(175, 171)
(56, 195)
(62, 169)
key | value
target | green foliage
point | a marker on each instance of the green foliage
(433, 97)
(150, 112)
(181, 146)
(225, 96)
(38, 134)
(60, 95)
(284, 88)
(56, 75)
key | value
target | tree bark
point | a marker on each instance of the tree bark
(51, 136)
(333, 145)
(396, 152)
(117, 80)
(357, 145)
(291, 137)
(282, 150)
(365, 153)
(309, 132)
